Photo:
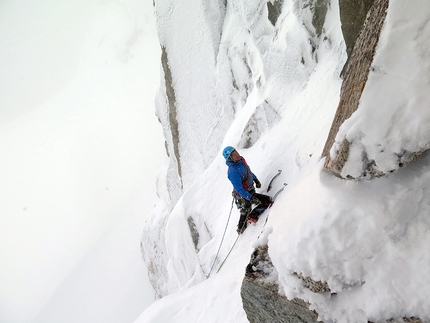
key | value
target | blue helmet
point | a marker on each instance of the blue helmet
(227, 152)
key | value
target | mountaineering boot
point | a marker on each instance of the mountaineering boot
(240, 230)
(241, 226)
(252, 221)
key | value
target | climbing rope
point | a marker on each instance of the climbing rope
(231, 249)
(231, 209)
(238, 236)
(223, 262)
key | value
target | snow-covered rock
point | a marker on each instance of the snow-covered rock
(275, 83)
(260, 294)
(356, 75)
(391, 125)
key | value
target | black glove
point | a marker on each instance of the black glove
(257, 183)
(255, 200)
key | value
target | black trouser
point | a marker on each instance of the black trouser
(245, 207)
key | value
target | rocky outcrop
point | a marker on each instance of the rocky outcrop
(172, 110)
(260, 294)
(274, 10)
(356, 75)
(314, 286)
(404, 320)
(319, 14)
(263, 303)
(352, 17)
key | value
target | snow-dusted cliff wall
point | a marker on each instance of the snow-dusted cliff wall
(265, 77)
(189, 104)
(227, 72)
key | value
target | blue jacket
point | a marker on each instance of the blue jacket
(242, 178)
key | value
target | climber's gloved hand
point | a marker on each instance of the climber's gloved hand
(255, 200)
(257, 183)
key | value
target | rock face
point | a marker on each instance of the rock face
(171, 111)
(263, 303)
(356, 75)
(188, 105)
(260, 294)
(318, 19)
(405, 320)
(352, 17)
(359, 145)
(274, 10)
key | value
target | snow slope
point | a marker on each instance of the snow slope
(368, 240)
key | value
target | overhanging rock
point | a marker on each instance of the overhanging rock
(356, 75)
(263, 303)
(261, 299)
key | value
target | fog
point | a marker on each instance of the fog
(80, 150)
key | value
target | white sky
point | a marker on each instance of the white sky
(80, 149)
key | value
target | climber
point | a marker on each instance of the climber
(243, 179)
